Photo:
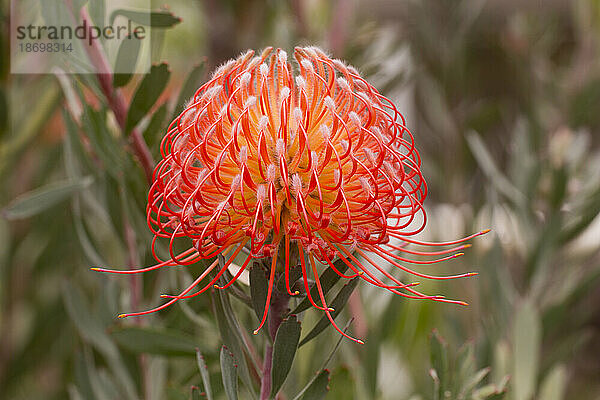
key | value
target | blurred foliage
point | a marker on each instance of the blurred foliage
(502, 97)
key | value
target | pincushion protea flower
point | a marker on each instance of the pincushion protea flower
(261, 160)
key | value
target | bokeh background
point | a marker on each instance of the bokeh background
(503, 98)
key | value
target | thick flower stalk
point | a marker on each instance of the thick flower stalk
(266, 158)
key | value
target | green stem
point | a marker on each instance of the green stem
(277, 309)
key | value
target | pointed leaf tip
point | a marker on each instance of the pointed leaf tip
(204, 374)
(147, 93)
(229, 373)
(318, 388)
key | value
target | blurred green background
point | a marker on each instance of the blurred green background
(503, 98)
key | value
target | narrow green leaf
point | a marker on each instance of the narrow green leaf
(439, 360)
(560, 178)
(436, 383)
(328, 279)
(156, 19)
(157, 369)
(258, 289)
(343, 384)
(196, 393)
(100, 391)
(318, 388)
(41, 199)
(487, 164)
(465, 366)
(229, 329)
(284, 351)
(490, 392)
(554, 385)
(105, 144)
(229, 374)
(527, 342)
(295, 273)
(191, 84)
(155, 129)
(84, 320)
(153, 341)
(502, 361)
(94, 333)
(127, 57)
(97, 10)
(337, 304)
(146, 94)
(473, 381)
(582, 218)
(81, 375)
(204, 374)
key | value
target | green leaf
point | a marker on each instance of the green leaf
(465, 362)
(284, 350)
(146, 94)
(204, 374)
(439, 360)
(229, 329)
(127, 56)
(97, 10)
(229, 374)
(343, 384)
(473, 381)
(554, 385)
(196, 393)
(295, 273)
(527, 343)
(560, 178)
(328, 279)
(155, 128)
(105, 144)
(154, 341)
(156, 19)
(94, 333)
(337, 304)
(489, 392)
(582, 217)
(188, 89)
(41, 199)
(487, 164)
(258, 289)
(318, 388)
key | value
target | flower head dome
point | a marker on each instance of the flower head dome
(267, 158)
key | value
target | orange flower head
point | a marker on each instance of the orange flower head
(267, 156)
